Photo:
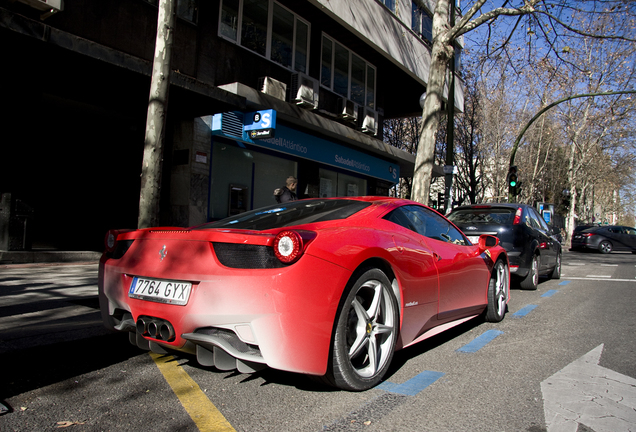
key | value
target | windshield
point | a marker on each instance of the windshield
(291, 213)
(493, 216)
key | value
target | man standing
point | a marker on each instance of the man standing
(288, 192)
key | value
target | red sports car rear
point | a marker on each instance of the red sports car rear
(327, 287)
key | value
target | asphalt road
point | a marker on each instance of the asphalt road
(563, 359)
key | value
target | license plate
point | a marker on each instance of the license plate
(160, 290)
(473, 239)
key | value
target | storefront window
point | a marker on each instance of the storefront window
(335, 184)
(351, 186)
(244, 179)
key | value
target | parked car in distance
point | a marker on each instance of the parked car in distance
(328, 287)
(533, 250)
(582, 227)
(605, 239)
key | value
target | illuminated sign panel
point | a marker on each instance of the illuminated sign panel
(259, 124)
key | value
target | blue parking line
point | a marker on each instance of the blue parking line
(549, 293)
(480, 341)
(565, 282)
(412, 386)
(524, 311)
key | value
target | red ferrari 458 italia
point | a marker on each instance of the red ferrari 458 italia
(326, 287)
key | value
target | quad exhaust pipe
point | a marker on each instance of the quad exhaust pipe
(156, 328)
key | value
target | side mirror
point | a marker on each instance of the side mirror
(487, 241)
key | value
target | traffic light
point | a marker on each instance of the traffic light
(514, 185)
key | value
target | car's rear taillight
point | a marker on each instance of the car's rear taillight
(288, 246)
(110, 240)
(116, 248)
(517, 219)
(587, 234)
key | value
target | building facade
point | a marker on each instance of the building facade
(260, 90)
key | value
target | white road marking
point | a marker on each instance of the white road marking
(588, 394)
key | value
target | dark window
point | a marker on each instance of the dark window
(281, 35)
(493, 216)
(346, 73)
(390, 4)
(421, 22)
(254, 27)
(427, 223)
(186, 9)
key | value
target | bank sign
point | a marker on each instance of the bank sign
(294, 142)
(258, 128)
(259, 124)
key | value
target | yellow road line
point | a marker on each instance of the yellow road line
(203, 412)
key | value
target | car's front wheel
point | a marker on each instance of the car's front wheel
(605, 247)
(531, 281)
(498, 290)
(365, 334)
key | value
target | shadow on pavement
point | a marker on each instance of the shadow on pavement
(39, 366)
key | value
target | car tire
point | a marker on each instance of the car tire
(498, 292)
(365, 333)
(605, 247)
(556, 272)
(531, 281)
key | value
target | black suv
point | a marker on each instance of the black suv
(532, 248)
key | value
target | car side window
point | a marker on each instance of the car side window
(530, 221)
(429, 224)
(418, 221)
(535, 221)
(630, 231)
(398, 217)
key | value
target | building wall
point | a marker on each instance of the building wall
(77, 93)
(386, 32)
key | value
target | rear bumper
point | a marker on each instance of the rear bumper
(518, 266)
(282, 318)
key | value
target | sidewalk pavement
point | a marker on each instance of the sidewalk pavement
(47, 257)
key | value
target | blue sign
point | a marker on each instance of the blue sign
(260, 120)
(307, 146)
(547, 216)
(258, 128)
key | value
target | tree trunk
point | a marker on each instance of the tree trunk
(156, 119)
(440, 55)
